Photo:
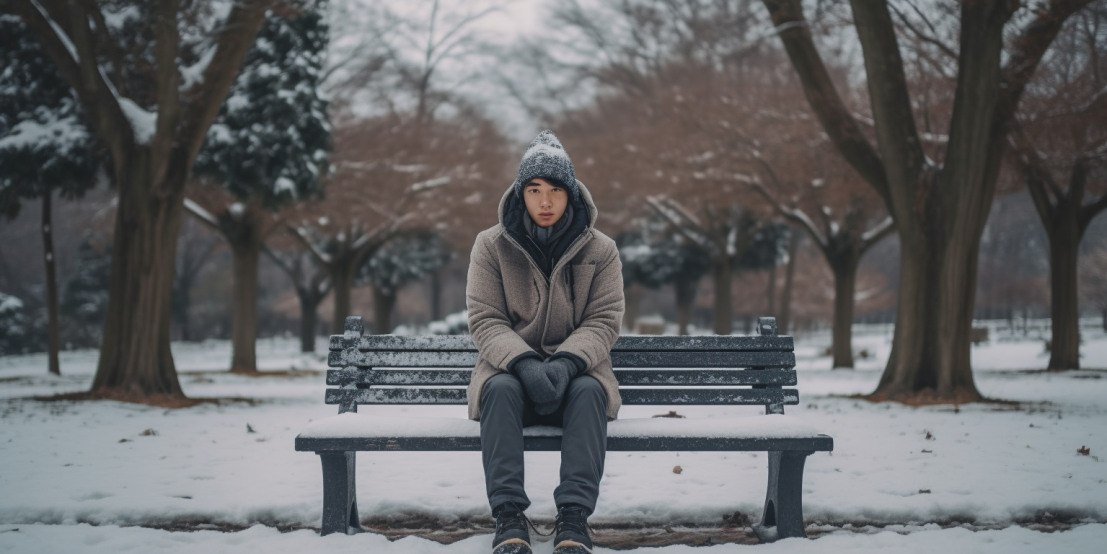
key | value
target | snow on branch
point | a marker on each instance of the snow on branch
(429, 184)
(61, 34)
(878, 232)
(200, 213)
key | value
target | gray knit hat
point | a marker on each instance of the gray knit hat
(546, 159)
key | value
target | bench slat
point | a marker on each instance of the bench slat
(626, 377)
(618, 359)
(638, 343)
(663, 397)
(822, 443)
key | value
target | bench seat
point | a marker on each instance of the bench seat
(356, 431)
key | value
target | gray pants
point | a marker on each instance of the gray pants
(506, 409)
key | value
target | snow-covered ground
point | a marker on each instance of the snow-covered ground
(108, 477)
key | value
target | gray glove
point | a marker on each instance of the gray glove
(532, 373)
(560, 371)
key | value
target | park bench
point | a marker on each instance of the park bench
(655, 370)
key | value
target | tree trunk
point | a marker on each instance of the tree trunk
(51, 283)
(436, 295)
(721, 273)
(1104, 316)
(309, 304)
(685, 296)
(845, 283)
(244, 321)
(1064, 243)
(771, 293)
(382, 311)
(784, 322)
(342, 275)
(135, 357)
(930, 358)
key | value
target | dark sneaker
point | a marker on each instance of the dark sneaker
(572, 530)
(512, 536)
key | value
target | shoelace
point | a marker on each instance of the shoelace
(573, 519)
(516, 519)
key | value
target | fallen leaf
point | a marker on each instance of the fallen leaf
(677, 470)
(1083, 450)
(924, 491)
(672, 413)
(148, 433)
(925, 451)
(124, 440)
(929, 437)
(250, 429)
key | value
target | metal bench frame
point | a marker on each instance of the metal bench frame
(764, 363)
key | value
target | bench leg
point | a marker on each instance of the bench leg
(339, 493)
(784, 496)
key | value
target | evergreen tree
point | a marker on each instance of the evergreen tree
(403, 260)
(653, 256)
(45, 145)
(85, 300)
(267, 148)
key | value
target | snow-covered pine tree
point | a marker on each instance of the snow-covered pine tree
(653, 256)
(405, 259)
(267, 148)
(45, 146)
(84, 302)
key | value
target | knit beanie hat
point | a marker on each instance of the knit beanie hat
(546, 159)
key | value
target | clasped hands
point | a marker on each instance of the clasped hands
(545, 382)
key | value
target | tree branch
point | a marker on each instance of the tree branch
(900, 147)
(1027, 50)
(792, 213)
(79, 70)
(877, 234)
(202, 215)
(1044, 191)
(787, 16)
(233, 40)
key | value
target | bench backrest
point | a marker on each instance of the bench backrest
(651, 369)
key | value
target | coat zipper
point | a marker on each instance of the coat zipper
(575, 247)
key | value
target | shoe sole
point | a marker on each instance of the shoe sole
(571, 547)
(512, 546)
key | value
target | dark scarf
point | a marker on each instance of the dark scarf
(545, 245)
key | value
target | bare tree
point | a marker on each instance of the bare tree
(1060, 149)
(939, 207)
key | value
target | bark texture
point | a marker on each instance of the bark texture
(135, 356)
(939, 210)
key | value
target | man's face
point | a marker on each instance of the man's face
(545, 202)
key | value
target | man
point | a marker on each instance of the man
(545, 300)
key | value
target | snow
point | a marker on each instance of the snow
(369, 426)
(61, 34)
(117, 16)
(76, 476)
(194, 74)
(64, 134)
(9, 303)
(143, 123)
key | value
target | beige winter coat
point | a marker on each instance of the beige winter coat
(513, 310)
